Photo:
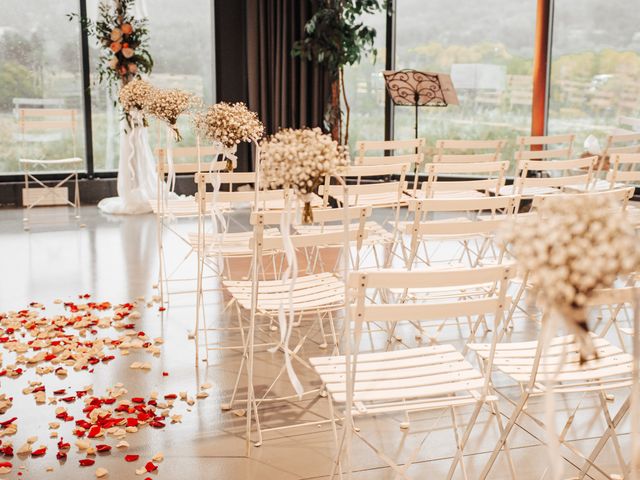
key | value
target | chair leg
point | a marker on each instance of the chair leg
(609, 432)
(505, 434)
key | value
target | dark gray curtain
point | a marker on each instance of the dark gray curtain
(285, 91)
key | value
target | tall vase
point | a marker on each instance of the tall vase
(137, 177)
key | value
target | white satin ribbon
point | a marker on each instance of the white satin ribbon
(291, 272)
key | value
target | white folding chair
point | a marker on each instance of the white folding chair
(169, 207)
(372, 186)
(463, 180)
(414, 379)
(394, 153)
(468, 151)
(547, 147)
(554, 367)
(439, 225)
(313, 297)
(554, 176)
(38, 125)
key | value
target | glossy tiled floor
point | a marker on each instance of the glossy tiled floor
(114, 258)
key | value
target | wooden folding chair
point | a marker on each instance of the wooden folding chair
(41, 125)
(468, 151)
(554, 367)
(414, 379)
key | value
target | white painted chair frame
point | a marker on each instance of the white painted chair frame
(411, 380)
(443, 151)
(67, 122)
(537, 365)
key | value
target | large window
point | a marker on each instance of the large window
(40, 69)
(595, 68)
(180, 43)
(365, 89)
(487, 48)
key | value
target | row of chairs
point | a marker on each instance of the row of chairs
(432, 265)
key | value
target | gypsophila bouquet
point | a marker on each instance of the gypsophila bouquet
(572, 247)
(167, 106)
(300, 159)
(135, 95)
(229, 124)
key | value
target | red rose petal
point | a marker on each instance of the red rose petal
(39, 452)
(150, 467)
(131, 458)
(86, 462)
(94, 431)
(170, 396)
(137, 400)
(6, 465)
(8, 422)
(165, 374)
(61, 455)
(103, 448)
(157, 424)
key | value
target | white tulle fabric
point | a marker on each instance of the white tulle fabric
(137, 180)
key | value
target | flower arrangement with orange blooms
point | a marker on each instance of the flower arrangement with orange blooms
(123, 41)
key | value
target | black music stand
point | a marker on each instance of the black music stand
(411, 88)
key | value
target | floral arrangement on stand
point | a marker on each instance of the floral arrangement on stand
(229, 124)
(571, 248)
(165, 105)
(123, 41)
(300, 159)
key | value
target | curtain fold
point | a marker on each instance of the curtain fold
(284, 90)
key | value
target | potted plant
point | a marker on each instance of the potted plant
(335, 36)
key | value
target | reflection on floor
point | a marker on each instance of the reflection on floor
(114, 259)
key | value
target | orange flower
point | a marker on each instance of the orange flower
(115, 47)
(113, 63)
(127, 29)
(128, 52)
(133, 68)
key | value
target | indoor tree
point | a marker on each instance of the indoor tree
(335, 36)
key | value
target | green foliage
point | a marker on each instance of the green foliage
(16, 81)
(335, 36)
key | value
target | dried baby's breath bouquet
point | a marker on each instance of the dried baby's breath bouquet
(300, 159)
(572, 247)
(135, 94)
(229, 124)
(168, 105)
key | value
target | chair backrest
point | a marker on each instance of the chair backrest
(621, 196)
(559, 147)
(184, 160)
(468, 151)
(491, 175)
(455, 218)
(493, 302)
(561, 173)
(621, 143)
(47, 124)
(317, 240)
(630, 124)
(622, 169)
(399, 151)
(369, 181)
